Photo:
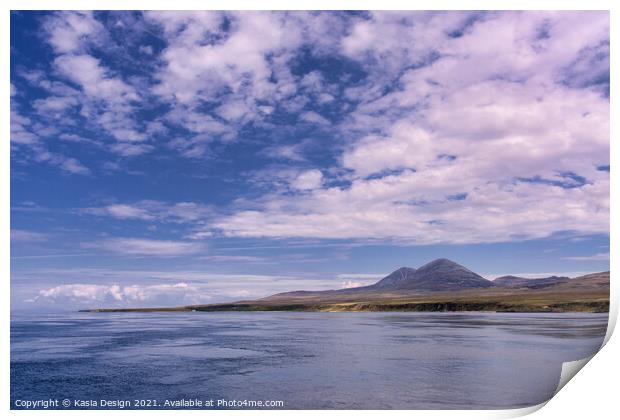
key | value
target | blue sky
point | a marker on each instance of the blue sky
(186, 157)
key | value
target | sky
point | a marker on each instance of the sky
(168, 158)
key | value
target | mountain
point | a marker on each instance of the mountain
(510, 281)
(436, 276)
(443, 274)
(398, 279)
(589, 281)
(441, 285)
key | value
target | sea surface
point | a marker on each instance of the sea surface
(299, 360)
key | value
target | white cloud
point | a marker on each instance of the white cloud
(313, 117)
(81, 286)
(361, 278)
(18, 235)
(351, 284)
(68, 30)
(234, 258)
(55, 104)
(87, 292)
(200, 234)
(293, 152)
(23, 137)
(123, 211)
(150, 210)
(462, 127)
(73, 166)
(20, 132)
(479, 142)
(146, 49)
(603, 256)
(195, 68)
(94, 79)
(146, 247)
(117, 295)
(407, 206)
(243, 69)
(104, 99)
(233, 110)
(308, 180)
(108, 99)
(407, 147)
(129, 149)
(74, 138)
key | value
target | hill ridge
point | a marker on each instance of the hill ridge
(440, 274)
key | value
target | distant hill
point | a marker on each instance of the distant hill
(398, 279)
(589, 282)
(441, 285)
(522, 281)
(438, 275)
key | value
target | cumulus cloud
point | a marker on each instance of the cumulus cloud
(480, 142)
(390, 207)
(79, 92)
(108, 98)
(241, 55)
(90, 287)
(457, 127)
(407, 146)
(117, 295)
(82, 91)
(68, 33)
(308, 180)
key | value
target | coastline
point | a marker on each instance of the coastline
(595, 306)
(589, 294)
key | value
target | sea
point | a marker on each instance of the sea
(294, 360)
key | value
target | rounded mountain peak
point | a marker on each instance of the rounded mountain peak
(441, 262)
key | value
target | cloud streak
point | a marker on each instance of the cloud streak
(603, 256)
(146, 247)
(19, 235)
(153, 210)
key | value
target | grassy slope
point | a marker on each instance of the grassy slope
(583, 294)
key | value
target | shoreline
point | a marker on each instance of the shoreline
(586, 294)
(572, 307)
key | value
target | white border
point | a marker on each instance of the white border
(594, 393)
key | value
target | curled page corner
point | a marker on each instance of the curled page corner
(570, 369)
(611, 321)
(519, 412)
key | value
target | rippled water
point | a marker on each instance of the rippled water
(306, 360)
